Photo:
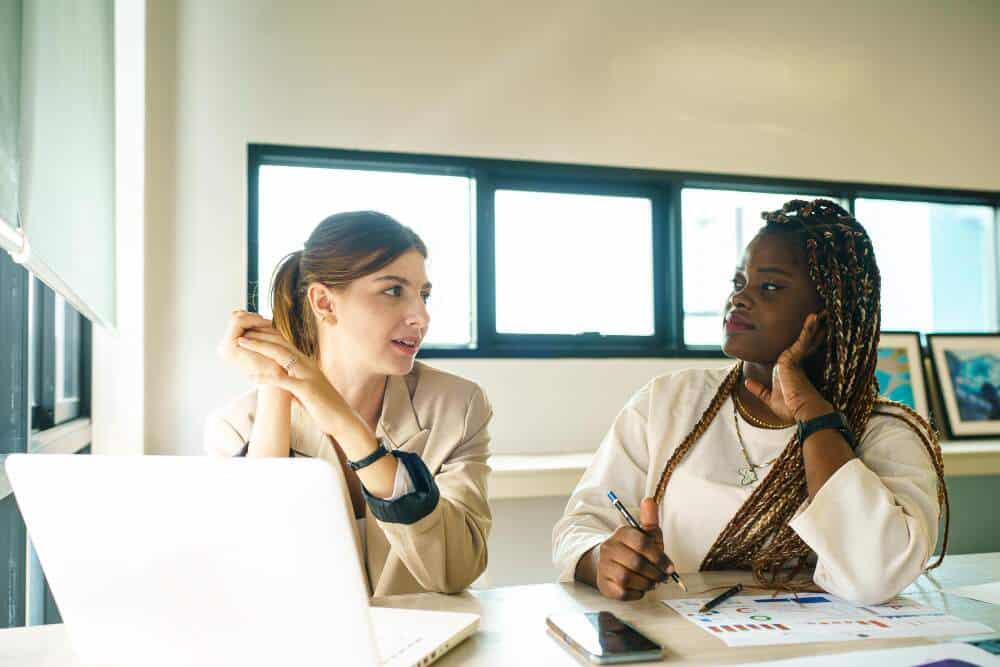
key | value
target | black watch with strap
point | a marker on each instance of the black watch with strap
(834, 420)
(379, 452)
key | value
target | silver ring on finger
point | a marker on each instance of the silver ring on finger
(290, 363)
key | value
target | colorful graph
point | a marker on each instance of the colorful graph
(749, 621)
(748, 626)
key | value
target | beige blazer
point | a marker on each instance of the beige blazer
(440, 417)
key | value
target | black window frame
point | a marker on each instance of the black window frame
(15, 431)
(608, 344)
(48, 409)
(34, 422)
(663, 187)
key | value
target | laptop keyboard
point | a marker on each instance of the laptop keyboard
(395, 644)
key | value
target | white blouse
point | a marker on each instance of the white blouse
(872, 525)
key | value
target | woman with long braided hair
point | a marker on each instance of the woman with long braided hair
(787, 461)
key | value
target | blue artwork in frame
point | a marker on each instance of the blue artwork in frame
(967, 367)
(900, 370)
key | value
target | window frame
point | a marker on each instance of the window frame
(29, 353)
(46, 353)
(519, 344)
(663, 187)
(15, 411)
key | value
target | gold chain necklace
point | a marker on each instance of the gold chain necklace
(759, 423)
(748, 474)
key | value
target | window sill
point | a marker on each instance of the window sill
(556, 475)
(970, 458)
(536, 476)
(68, 438)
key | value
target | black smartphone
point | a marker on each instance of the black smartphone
(603, 638)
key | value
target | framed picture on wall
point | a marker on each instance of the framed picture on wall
(900, 370)
(967, 367)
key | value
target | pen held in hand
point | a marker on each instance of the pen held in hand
(630, 520)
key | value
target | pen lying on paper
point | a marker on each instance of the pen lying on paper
(635, 524)
(719, 599)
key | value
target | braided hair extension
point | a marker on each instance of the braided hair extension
(842, 267)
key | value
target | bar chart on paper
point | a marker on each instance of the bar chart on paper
(759, 620)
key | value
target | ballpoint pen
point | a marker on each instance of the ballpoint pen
(719, 599)
(635, 524)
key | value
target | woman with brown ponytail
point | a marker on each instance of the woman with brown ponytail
(336, 379)
(785, 461)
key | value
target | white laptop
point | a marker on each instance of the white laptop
(198, 561)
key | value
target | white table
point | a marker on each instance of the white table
(513, 622)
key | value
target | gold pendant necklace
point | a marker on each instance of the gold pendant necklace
(759, 423)
(748, 473)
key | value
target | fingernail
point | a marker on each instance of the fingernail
(241, 341)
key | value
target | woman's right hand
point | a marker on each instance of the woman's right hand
(629, 563)
(251, 363)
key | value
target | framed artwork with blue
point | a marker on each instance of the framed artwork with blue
(900, 370)
(967, 367)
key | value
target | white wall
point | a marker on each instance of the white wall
(900, 92)
(118, 406)
(542, 406)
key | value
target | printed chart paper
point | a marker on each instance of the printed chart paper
(933, 655)
(761, 620)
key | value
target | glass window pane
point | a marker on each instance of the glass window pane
(938, 264)
(68, 366)
(716, 227)
(293, 200)
(572, 264)
(42, 329)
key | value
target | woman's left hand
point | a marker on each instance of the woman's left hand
(299, 375)
(792, 396)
